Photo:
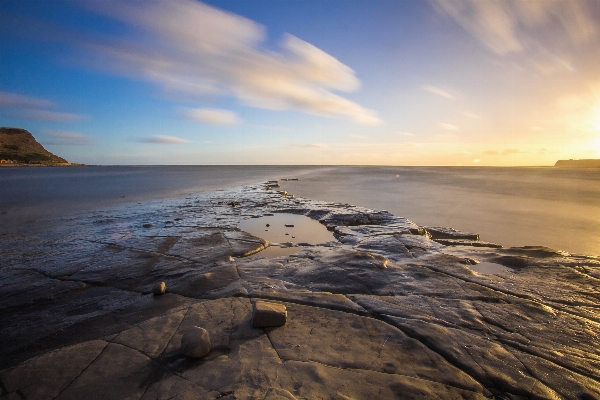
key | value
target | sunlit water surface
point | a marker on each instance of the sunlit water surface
(558, 208)
(286, 231)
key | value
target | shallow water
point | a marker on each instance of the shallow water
(558, 208)
(29, 195)
(299, 229)
(554, 207)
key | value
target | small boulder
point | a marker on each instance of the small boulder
(266, 314)
(195, 343)
(159, 288)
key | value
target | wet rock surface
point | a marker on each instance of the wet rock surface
(388, 310)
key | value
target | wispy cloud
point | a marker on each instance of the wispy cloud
(48, 116)
(503, 26)
(67, 138)
(438, 91)
(505, 152)
(33, 108)
(407, 134)
(162, 139)
(541, 30)
(189, 47)
(471, 115)
(514, 151)
(14, 100)
(449, 127)
(211, 115)
(310, 145)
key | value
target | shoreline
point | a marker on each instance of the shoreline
(384, 309)
(43, 165)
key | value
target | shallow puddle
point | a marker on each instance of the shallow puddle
(488, 268)
(286, 228)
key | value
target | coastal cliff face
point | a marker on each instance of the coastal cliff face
(388, 310)
(19, 145)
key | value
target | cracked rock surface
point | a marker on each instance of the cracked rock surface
(389, 310)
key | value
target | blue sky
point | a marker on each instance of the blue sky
(440, 82)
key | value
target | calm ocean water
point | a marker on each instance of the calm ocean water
(558, 208)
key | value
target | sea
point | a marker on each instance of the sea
(513, 206)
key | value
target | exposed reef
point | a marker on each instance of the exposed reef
(390, 309)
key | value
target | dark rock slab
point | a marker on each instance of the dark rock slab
(467, 242)
(46, 376)
(440, 232)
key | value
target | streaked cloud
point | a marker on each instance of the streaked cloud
(192, 48)
(471, 115)
(163, 139)
(544, 32)
(505, 152)
(33, 108)
(211, 115)
(514, 151)
(449, 127)
(14, 100)
(505, 26)
(438, 91)
(67, 138)
(48, 116)
(407, 134)
(311, 145)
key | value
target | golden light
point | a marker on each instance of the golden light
(595, 145)
(596, 119)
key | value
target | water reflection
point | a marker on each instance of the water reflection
(286, 230)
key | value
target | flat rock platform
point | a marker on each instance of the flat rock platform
(388, 310)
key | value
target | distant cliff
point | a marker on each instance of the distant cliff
(18, 145)
(578, 163)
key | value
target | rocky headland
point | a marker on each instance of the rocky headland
(586, 163)
(19, 147)
(389, 309)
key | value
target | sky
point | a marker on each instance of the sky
(333, 82)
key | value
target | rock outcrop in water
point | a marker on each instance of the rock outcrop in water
(18, 145)
(383, 312)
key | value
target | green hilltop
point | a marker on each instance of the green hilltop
(19, 146)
